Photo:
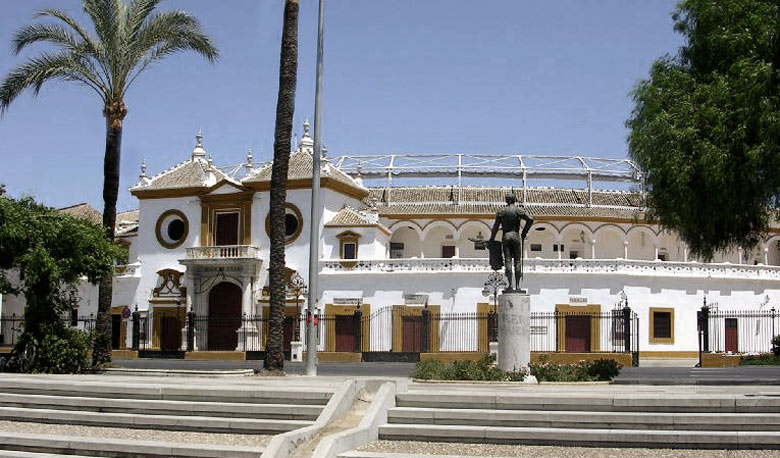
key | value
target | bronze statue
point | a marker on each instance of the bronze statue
(509, 219)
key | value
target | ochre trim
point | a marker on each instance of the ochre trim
(158, 314)
(167, 193)
(483, 309)
(298, 214)
(414, 310)
(240, 203)
(595, 330)
(381, 228)
(117, 310)
(660, 340)
(242, 196)
(444, 216)
(289, 310)
(158, 228)
(305, 183)
(347, 310)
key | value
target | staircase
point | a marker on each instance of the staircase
(596, 420)
(237, 409)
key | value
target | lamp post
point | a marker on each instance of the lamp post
(493, 284)
(298, 289)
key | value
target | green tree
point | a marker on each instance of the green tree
(128, 38)
(285, 108)
(706, 125)
(50, 252)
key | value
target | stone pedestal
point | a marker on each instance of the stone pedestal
(514, 331)
(296, 351)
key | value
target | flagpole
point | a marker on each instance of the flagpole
(314, 241)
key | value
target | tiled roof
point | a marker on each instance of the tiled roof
(84, 211)
(300, 168)
(481, 201)
(349, 216)
(192, 173)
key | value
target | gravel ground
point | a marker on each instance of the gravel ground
(537, 451)
(135, 434)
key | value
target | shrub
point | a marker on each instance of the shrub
(766, 359)
(482, 370)
(63, 352)
(604, 369)
(776, 345)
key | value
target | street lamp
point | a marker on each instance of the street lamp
(297, 288)
(493, 284)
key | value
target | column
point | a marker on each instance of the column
(560, 248)
(593, 249)
(685, 254)
(655, 257)
(766, 255)
(625, 249)
(740, 255)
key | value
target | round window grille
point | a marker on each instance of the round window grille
(172, 228)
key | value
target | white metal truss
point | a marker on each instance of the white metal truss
(486, 165)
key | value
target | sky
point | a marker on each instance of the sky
(401, 76)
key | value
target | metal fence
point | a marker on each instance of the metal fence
(737, 331)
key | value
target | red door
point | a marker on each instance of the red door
(288, 333)
(577, 334)
(224, 316)
(412, 333)
(345, 333)
(731, 335)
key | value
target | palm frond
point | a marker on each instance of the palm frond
(49, 33)
(38, 70)
(137, 13)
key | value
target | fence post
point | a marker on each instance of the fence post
(357, 319)
(136, 329)
(772, 310)
(190, 331)
(703, 318)
(627, 329)
(426, 328)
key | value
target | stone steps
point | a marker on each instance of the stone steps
(591, 419)
(162, 407)
(584, 419)
(240, 425)
(37, 444)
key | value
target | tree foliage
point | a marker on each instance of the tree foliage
(44, 254)
(706, 125)
(129, 37)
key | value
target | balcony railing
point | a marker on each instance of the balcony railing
(223, 252)
(574, 266)
(127, 270)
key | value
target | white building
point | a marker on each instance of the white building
(200, 244)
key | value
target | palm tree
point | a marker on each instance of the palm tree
(285, 107)
(128, 38)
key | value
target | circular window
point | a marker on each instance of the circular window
(172, 227)
(293, 223)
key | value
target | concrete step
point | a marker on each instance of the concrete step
(161, 407)
(583, 437)
(105, 447)
(357, 454)
(242, 394)
(587, 420)
(591, 402)
(15, 454)
(165, 422)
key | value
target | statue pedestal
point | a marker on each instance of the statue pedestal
(514, 331)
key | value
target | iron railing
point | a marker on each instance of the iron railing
(738, 331)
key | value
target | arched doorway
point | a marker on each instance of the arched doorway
(224, 316)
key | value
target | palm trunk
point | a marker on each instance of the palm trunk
(285, 107)
(114, 114)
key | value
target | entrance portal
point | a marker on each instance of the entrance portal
(224, 316)
(731, 335)
(577, 334)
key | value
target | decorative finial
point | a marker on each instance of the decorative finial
(249, 159)
(306, 144)
(306, 127)
(199, 151)
(324, 150)
(359, 170)
(211, 162)
(143, 169)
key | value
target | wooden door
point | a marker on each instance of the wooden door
(448, 251)
(345, 333)
(116, 331)
(170, 334)
(288, 333)
(224, 316)
(226, 232)
(577, 334)
(412, 333)
(732, 336)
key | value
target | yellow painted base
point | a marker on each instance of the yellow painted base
(336, 357)
(124, 354)
(215, 356)
(569, 358)
(452, 356)
(719, 360)
(668, 354)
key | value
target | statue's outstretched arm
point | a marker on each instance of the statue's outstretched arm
(496, 225)
(528, 222)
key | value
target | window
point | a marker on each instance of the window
(536, 247)
(557, 248)
(396, 250)
(293, 223)
(448, 251)
(348, 245)
(661, 325)
(349, 250)
(171, 229)
(574, 254)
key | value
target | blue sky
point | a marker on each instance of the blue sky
(433, 76)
